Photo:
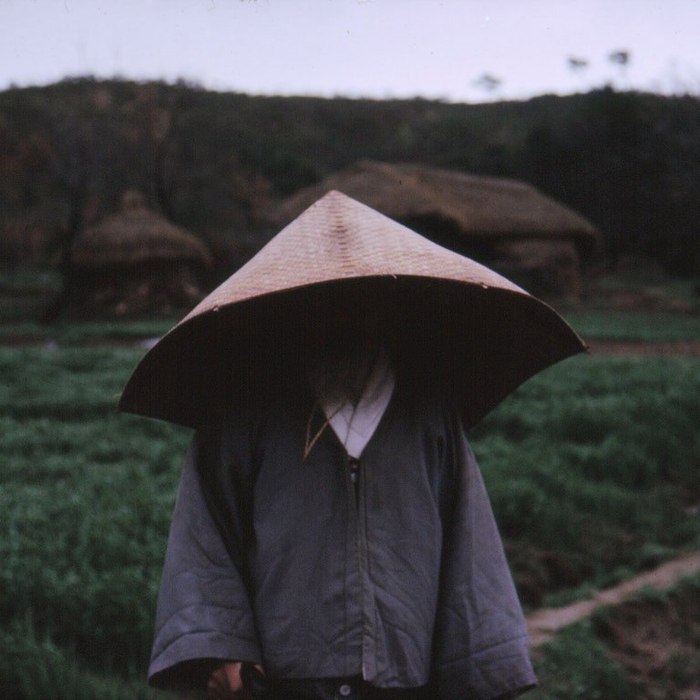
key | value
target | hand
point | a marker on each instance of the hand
(226, 682)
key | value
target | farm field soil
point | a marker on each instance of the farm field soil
(656, 640)
(643, 647)
(544, 623)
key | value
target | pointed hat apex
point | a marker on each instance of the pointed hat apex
(339, 238)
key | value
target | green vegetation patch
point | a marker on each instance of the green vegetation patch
(576, 665)
(85, 502)
(635, 326)
(591, 467)
(32, 667)
(87, 331)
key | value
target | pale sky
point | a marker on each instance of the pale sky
(437, 49)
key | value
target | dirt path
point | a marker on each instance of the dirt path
(545, 623)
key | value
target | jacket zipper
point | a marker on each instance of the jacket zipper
(357, 480)
(354, 469)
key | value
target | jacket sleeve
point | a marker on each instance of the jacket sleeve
(203, 614)
(480, 645)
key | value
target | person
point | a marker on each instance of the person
(332, 536)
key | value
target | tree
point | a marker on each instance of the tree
(488, 82)
(73, 138)
(621, 58)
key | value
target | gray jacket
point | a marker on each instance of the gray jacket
(278, 560)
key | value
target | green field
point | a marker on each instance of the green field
(84, 507)
(639, 326)
(592, 467)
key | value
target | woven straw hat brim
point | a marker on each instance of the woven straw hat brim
(456, 323)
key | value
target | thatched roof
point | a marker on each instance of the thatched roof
(470, 205)
(136, 234)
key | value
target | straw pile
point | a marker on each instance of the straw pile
(135, 260)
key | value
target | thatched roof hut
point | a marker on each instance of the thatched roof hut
(135, 260)
(136, 234)
(506, 224)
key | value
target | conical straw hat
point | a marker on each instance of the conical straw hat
(462, 325)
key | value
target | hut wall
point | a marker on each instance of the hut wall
(152, 285)
(545, 268)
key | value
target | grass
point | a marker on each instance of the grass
(635, 326)
(577, 666)
(33, 667)
(69, 333)
(589, 466)
(85, 500)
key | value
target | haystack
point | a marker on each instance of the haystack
(508, 225)
(135, 260)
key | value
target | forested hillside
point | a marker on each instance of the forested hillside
(217, 163)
